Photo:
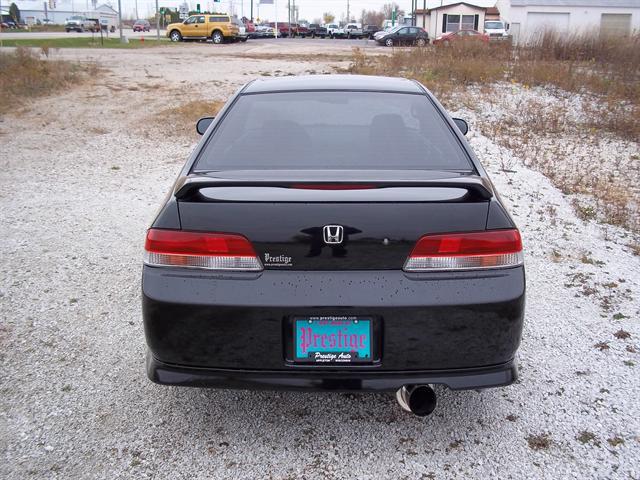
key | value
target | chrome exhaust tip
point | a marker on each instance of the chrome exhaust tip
(417, 399)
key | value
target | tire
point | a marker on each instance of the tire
(245, 39)
(216, 37)
(175, 36)
(421, 42)
(389, 42)
(67, 30)
(349, 36)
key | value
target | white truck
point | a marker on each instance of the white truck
(496, 29)
(334, 30)
(79, 23)
(353, 30)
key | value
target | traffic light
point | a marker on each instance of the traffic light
(198, 7)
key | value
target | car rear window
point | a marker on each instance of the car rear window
(333, 130)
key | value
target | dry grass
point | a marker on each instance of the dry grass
(24, 74)
(608, 68)
(182, 119)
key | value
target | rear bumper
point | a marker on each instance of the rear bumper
(342, 381)
(461, 329)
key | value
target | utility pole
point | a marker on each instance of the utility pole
(137, 17)
(424, 14)
(120, 20)
(157, 23)
(348, 19)
(252, 9)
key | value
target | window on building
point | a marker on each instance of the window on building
(467, 22)
(453, 23)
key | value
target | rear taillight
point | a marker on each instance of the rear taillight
(466, 251)
(214, 251)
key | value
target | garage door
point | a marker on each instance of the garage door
(539, 22)
(617, 24)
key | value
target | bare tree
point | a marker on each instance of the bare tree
(388, 8)
(373, 17)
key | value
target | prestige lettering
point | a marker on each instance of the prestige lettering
(342, 339)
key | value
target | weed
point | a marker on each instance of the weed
(622, 334)
(588, 437)
(615, 441)
(183, 117)
(539, 442)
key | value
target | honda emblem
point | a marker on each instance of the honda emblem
(332, 234)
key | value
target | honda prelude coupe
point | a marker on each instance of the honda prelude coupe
(359, 248)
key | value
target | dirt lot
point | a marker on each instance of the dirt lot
(82, 175)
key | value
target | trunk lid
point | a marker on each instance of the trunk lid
(380, 214)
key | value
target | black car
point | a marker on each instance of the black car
(402, 35)
(371, 30)
(316, 30)
(390, 264)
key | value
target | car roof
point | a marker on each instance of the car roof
(333, 82)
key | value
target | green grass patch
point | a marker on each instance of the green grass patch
(84, 42)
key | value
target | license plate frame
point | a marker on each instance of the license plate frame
(330, 354)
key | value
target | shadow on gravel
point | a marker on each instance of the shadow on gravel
(282, 419)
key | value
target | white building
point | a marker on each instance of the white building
(528, 18)
(453, 16)
(33, 10)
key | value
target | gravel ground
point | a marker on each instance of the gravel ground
(82, 175)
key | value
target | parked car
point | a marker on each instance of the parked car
(249, 26)
(78, 23)
(391, 264)
(300, 30)
(370, 30)
(263, 31)
(317, 30)
(242, 30)
(142, 26)
(9, 24)
(353, 30)
(283, 29)
(402, 35)
(334, 30)
(218, 28)
(461, 35)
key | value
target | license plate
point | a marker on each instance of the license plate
(332, 339)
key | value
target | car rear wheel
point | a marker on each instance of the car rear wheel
(175, 36)
(217, 37)
(421, 42)
(389, 42)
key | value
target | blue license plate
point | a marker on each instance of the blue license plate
(332, 339)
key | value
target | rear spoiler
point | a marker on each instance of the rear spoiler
(478, 186)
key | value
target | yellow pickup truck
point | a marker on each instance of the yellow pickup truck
(216, 27)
